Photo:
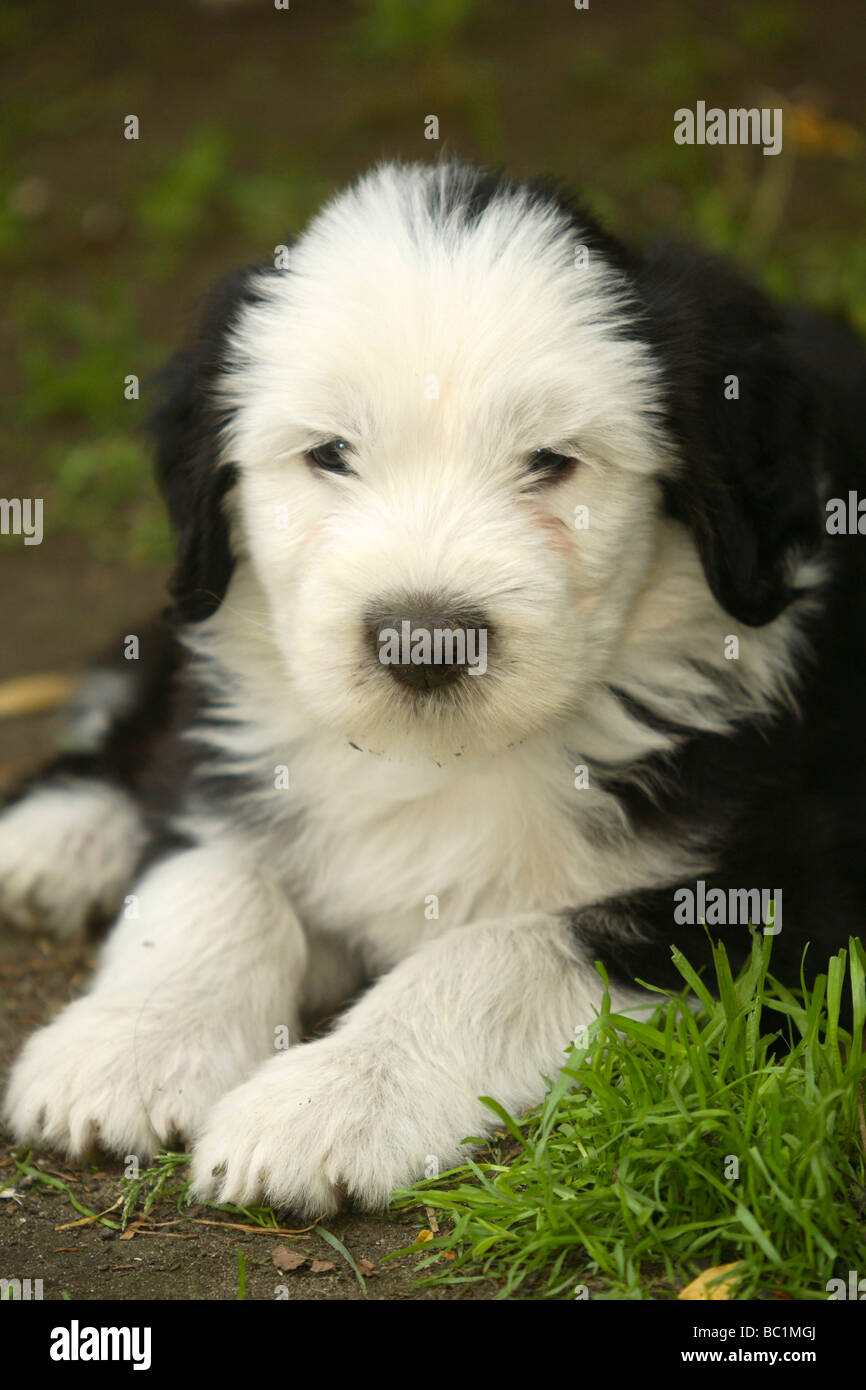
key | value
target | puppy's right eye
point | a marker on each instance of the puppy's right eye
(332, 456)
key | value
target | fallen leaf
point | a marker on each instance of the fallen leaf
(287, 1259)
(815, 133)
(697, 1290)
(321, 1266)
(423, 1236)
(34, 694)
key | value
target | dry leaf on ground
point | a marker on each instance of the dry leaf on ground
(287, 1259)
(699, 1291)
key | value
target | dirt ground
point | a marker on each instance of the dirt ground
(43, 1236)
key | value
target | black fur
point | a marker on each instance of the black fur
(778, 804)
(126, 751)
(470, 191)
(187, 424)
(748, 489)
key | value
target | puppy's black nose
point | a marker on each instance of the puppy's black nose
(426, 649)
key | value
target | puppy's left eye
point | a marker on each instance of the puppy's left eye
(332, 456)
(545, 465)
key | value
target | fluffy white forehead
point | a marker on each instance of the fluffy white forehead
(396, 297)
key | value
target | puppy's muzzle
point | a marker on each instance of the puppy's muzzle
(426, 649)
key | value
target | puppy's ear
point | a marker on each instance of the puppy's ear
(743, 413)
(193, 477)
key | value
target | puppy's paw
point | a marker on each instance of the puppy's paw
(328, 1121)
(110, 1075)
(68, 853)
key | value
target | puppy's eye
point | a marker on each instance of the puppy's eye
(545, 465)
(332, 456)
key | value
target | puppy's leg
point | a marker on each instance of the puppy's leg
(73, 839)
(484, 1010)
(199, 980)
(69, 850)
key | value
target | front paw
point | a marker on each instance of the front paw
(109, 1074)
(328, 1121)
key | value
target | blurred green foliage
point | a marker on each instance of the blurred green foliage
(177, 198)
(250, 118)
(75, 352)
(771, 27)
(411, 28)
(103, 490)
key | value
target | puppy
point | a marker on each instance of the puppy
(511, 633)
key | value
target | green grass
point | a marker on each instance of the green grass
(733, 1133)
(166, 1179)
(24, 1168)
(622, 1180)
(163, 1181)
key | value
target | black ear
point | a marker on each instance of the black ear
(744, 415)
(187, 423)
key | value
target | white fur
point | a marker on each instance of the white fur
(67, 848)
(187, 998)
(524, 351)
(488, 1010)
(434, 841)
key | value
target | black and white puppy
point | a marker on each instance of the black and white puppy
(507, 611)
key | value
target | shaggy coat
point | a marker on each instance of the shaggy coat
(466, 408)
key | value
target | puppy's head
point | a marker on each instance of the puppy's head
(442, 440)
